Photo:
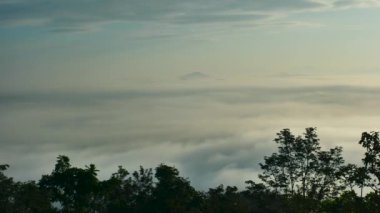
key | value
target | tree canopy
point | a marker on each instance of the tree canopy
(299, 177)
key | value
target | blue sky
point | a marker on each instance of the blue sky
(208, 83)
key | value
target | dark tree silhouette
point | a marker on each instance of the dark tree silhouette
(6, 190)
(307, 149)
(301, 168)
(73, 188)
(300, 177)
(280, 169)
(327, 182)
(174, 193)
(371, 142)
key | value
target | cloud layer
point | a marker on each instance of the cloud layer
(76, 15)
(118, 97)
(213, 135)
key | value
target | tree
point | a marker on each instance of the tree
(260, 199)
(372, 202)
(72, 187)
(280, 169)
(126, 193)
(300, 177)
(226, 199)
(173, 193)
(292, 169)
(29, 198)
(6, 190)
(112, 195)
(301, 168)
(371, 142)
(142, 185)
(348, 202)
(348, 175)
(327, 181)
(307, 149)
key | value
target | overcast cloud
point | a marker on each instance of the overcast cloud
(213, 135)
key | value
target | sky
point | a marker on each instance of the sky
(202, 85)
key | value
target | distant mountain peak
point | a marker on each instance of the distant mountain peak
(194, 76)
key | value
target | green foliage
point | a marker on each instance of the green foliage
(301, 168)
(300, 177)
(73, 188)
(18, 197)
(173, 193)
(371, 170)
(348, 202)
(29, 197)
(6, 190)
(280, 169)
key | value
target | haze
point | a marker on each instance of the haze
(201, 85)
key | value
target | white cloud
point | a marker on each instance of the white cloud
(213, 135)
